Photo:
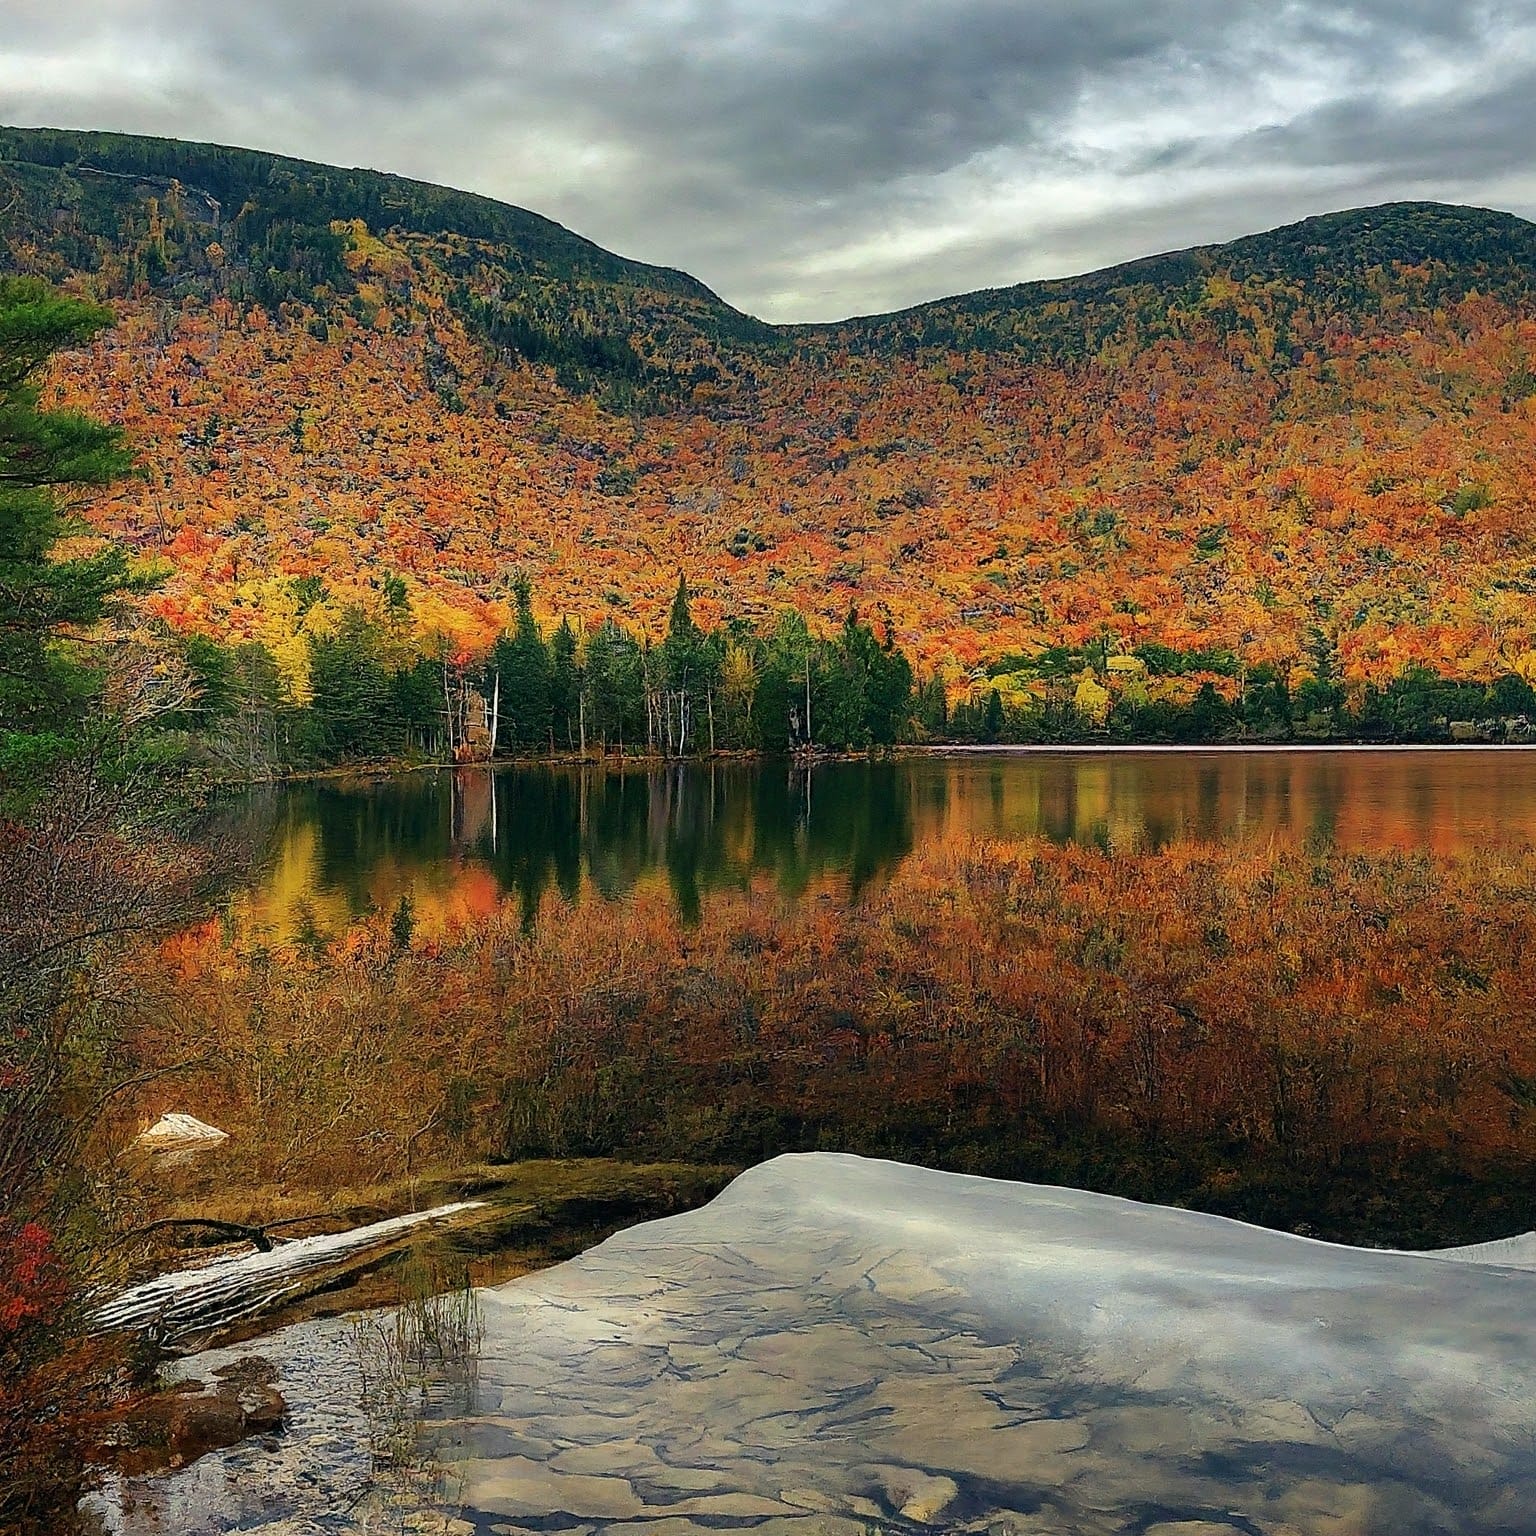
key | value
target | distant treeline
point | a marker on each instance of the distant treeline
(377, 690)
(1158, 694)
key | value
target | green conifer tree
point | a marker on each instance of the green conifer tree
(46, 603)
(522, 662)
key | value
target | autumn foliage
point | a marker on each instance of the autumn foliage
(1338, 1039)
(50, 1392)
(1314, 438)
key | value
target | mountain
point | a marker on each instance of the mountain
(1305, 447)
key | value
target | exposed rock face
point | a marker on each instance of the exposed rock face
(843, 1346)
(176, 1127)
(947, 1352)
(191, 1417)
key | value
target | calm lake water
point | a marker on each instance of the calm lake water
(462, 841)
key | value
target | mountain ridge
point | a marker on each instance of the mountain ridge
(50, 148)
(51, 145)
(1301, 448)
(1166, 263)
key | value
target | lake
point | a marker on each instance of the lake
(460, 842)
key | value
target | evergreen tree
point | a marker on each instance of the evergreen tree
(565, 689)
(682, 632)
(88, 863)
(842, 699)
(212, 667)
(1322, 694)
(351, 713)
(521, 663)
(784, 706)
(1512, 695)
(259, 729)
(1210, 716)
(1267, 705)
(1414, 704)
(614, 686)
(44, 687)
(773, 709)
(993, 721)
(683, 676)
(888, 707)
(931, 709)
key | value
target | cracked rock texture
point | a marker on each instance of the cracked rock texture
(836, 1345)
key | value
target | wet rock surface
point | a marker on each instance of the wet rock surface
(311, 1475)
(843, 1346)
(192, 1417)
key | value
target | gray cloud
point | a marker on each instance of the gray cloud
(810, 158)
(1446, 138)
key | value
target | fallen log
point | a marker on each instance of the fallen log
(258, 1235)
(236, 1286)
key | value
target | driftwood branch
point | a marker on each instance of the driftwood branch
(256, 1235)
(260, 1236)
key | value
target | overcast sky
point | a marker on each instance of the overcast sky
(815, 158)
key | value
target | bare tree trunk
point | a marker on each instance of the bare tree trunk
(496, 712)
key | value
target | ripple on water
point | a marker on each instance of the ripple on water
(840, 1346)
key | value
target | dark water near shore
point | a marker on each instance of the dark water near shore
(461, 841)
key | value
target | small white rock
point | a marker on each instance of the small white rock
(177, 1129)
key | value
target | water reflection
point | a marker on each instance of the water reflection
(461, 842)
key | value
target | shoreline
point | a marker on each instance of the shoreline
(648, 762)
(1207, 748)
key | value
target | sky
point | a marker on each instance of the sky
(811, 159)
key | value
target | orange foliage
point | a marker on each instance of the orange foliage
(1254, 1029)
(1179, 494)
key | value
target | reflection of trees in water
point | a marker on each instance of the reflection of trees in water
(336, 849)
(706, 827)
(1375, 801)
(458, 837)
(240, 832)
(405, 820)
(701, 827)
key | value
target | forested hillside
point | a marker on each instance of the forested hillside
(1305, 452)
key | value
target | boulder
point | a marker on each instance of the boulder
(190, 1418)
(179, 1132)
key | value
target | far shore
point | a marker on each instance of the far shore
(641, 760)
(1098, 749)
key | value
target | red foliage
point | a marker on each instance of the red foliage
(1198, 490)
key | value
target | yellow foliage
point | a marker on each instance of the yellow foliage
(366, 252)
(738, 676)
(1017, 690)
(1092, 698)
(279, 626)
